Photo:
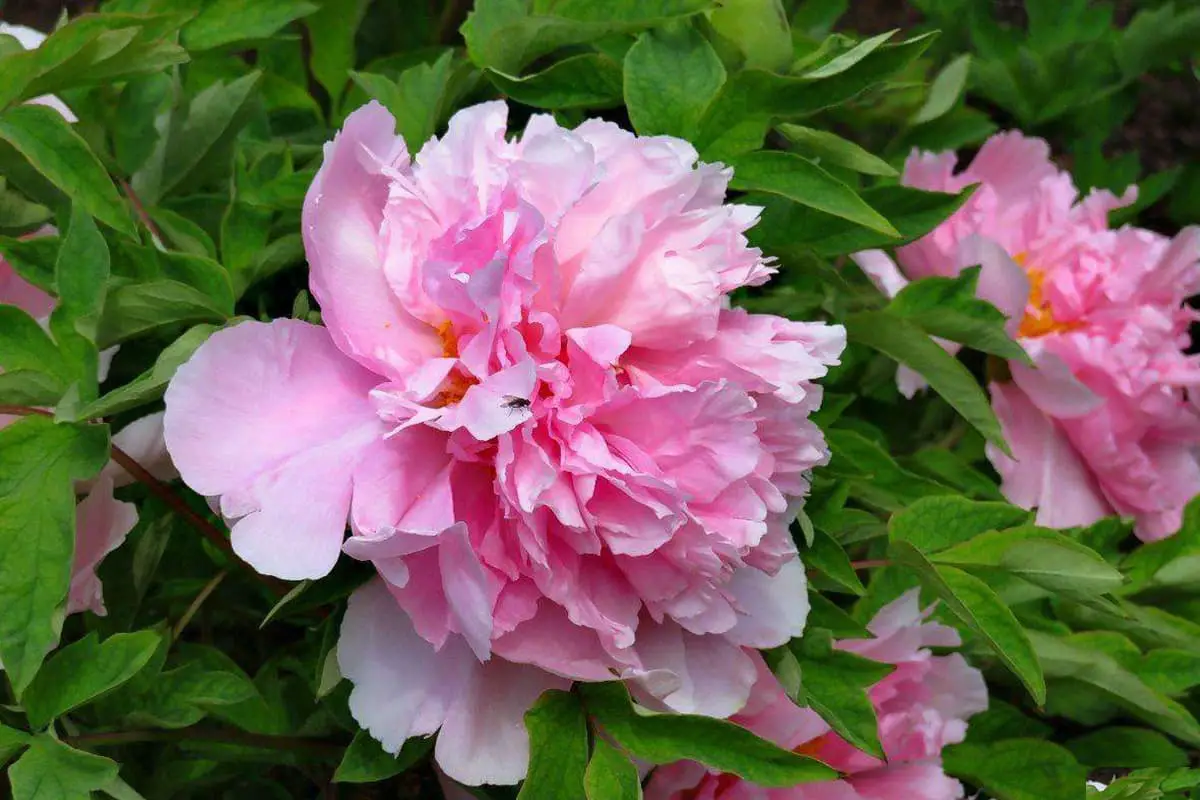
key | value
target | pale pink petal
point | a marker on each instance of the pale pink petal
(882, 270)
(1052, 387)
(484, 739)
(1002, 282)
(773, 608)
(274, 419)
(142, 440)
(101, 524)
(402, 686)
(343, 214)
(715, 676)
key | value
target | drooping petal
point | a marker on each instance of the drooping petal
(274, 419)
(101, 524)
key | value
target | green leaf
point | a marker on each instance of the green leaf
(1041, 556)
(1018, 769)
(57, 152)
(81, 272)
(50, 770)
(331, 33)
(1079, 659)
(366, 762)
(32, 259)
(760, 30)
(935, 523)
(610, 775)
(24, 345)
(83, 671)
(803, 182)
(505, 35)
(39, 462)
(949, 308)
(134, 133)
(1130, 748)
(558, 748)
(226, 22)
(906, 343)
(416, 98)
(786, 227)
(663, 738)
(874, 476)
(11, 742)
(823, 146)
(978, 607)
(824, 613)
(758, 96)
(212, 120)
(836, 685)
(671, 75)
(945, 90)
(589, 80)
(826, 555)
(136, 308)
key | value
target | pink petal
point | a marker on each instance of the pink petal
(343, 214)
(1052, 386)
(267, 415)
(715, 676)
(1002, 281)
(882, 270)
(773, 608)
(101, 524)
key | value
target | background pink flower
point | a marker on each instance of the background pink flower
(1104, 424)
(565, 454)
(922, 707)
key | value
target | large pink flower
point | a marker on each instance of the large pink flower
(1104, 424)
(922, 706)
(567, 457)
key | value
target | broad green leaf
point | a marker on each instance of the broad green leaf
(1079, 659)
(671, 75)
(663, 738)
(759, 28)
(58, 153)
(844, 61)
(18, 213)
(39, 462)
(1170, 671)
(505, 35)
(1127, 747)
(24, 345)
(610, 775)
(756, 96)
(558, 748)
(226, 22)
(93, 49)
(1171, 562)
(906, 343)
(589, 80)
(84, 670)
(136, 308)
(803, 182)
(1018, 769)
(826, 555)
(366, 762)
(824, 613)
(33, 259)
(178, 698)
(835, 685)
(331, 33)
(826, 147)
(416, 98)
(874, 477)
(182, 233)
(134, 132)
(11, 742)
(945, 90)
(786, 227)
(949, 308)
(1041, 556)
(206, 128)
(50, 770)
(953, 470)
(25, 387)
(978, 607)
(81, 272)
(935, 523)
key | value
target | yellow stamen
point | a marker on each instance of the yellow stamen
(1039, 316)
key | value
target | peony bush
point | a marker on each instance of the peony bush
(552, 399)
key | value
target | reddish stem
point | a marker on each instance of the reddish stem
(140, 210)
(164, 493)
(871, 563)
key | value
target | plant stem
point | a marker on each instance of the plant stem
(136, 202)
(871, 563)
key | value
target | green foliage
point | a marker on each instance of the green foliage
(558, 741)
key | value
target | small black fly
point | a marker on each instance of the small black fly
(514, 403)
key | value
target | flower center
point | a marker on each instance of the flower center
(1039, 317)
(457, 383)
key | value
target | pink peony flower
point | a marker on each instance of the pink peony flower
(566, 456)
(922, 706)
(1104, 424)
